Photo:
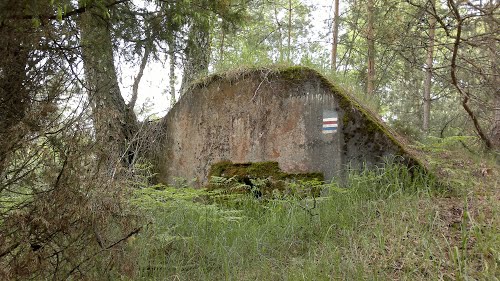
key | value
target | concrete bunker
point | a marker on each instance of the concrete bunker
(292, 116)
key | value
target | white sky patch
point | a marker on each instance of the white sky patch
(153, 99)
(153, 89)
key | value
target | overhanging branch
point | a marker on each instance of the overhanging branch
(66, 15)
(454, 79)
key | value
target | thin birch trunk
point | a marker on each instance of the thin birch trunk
(335, 35)
(289, 30)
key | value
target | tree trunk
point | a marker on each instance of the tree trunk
(370, 81)
(279, 29)
(137, 80)
(15, 99)
(115, 124)
(171, 78)
(221, 50)
(428, 71)
(495, 131)
(289, 31)
(335, 34)
(495, 70)
(197, 53)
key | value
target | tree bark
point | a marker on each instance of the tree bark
(335, 34)
(171, 78)
(115, 123)
(15, 99)
(493, 50)
(370, 81)
(428, 71)
(495, 131)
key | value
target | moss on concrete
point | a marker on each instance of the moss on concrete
(272, 178)
(258, 170)
(347, 102)
(350, 105)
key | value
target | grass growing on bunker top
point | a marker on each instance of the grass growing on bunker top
(387, 225)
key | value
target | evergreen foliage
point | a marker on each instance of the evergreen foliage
(76, 199)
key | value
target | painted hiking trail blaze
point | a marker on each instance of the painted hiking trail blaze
(292, 116)
(330, 122)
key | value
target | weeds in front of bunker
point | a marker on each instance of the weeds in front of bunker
(384, 225)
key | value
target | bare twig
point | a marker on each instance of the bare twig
(77, 267)
(264, 78)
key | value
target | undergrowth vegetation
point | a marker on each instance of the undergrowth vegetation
(389, 223)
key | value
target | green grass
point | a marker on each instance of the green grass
(387, 224)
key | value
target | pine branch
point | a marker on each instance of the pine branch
(66, 15)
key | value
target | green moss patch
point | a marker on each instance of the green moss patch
(259, 178)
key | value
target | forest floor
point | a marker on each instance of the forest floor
(471, 214)
(385, 226)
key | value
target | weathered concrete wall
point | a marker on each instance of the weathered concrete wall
(279, 117)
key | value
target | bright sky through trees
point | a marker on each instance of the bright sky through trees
(153, 96)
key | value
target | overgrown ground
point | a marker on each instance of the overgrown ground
(386, 225)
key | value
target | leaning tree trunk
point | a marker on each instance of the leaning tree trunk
(115, 123)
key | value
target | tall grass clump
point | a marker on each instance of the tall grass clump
(382, 225)
(391, 178)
